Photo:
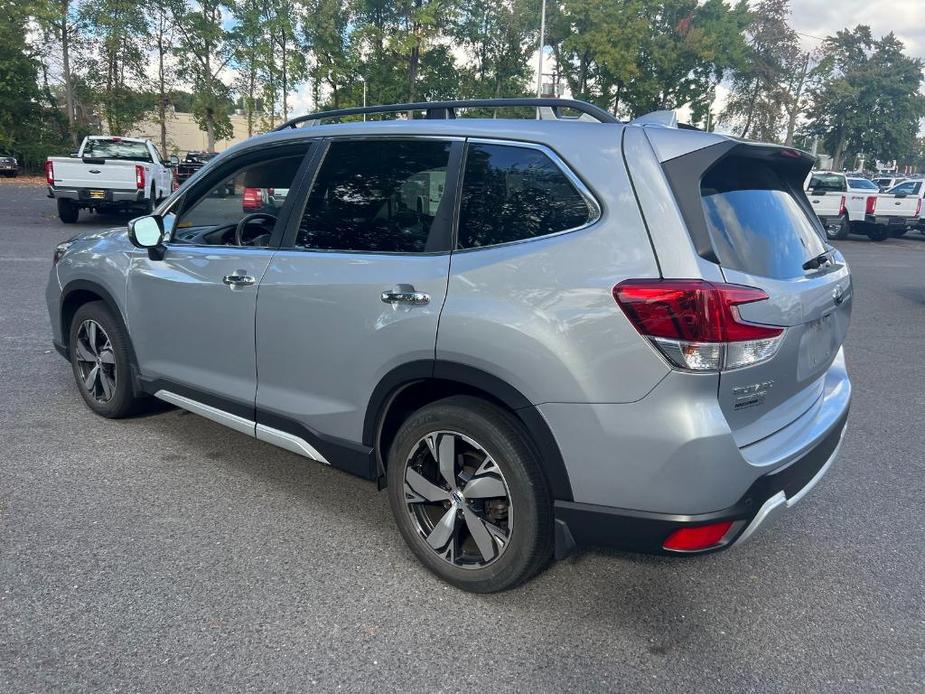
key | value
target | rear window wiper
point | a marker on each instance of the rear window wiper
(818, 261)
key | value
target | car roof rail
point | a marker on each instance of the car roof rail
(447, 110)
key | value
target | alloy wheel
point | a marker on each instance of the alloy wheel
(96, 361)
(458, 499)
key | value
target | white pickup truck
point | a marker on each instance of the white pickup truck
(842, 203)
(902, 206)
(108, 173)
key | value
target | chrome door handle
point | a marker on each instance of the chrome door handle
(239, 279)
(404, 294)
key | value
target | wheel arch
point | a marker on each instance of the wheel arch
(75, 294)
(410, 386)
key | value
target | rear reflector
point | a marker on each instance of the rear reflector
(696, 324)
(50, 172)
(700, 537)
(871, 206)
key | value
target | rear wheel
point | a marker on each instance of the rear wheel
(841, 231)
(896, 233)
(878, 232)
(468, 495)
(100, 359)
(68, 212)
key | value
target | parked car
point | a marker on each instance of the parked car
(639, 345)
(841, 203)
(887, 182)
(108, 174)
(9, 166)
(907, 206)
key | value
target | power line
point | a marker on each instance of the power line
(812, 36)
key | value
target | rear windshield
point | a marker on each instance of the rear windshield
(863, 183)
(755, 222)
(116, 149)
(826, 183)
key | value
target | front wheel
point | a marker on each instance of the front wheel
(468, 495)
(841, 231)
(101, 361)
(878, 232)
(68, 212)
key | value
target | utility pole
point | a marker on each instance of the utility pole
(539, 71)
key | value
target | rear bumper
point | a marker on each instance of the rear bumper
(887, 220)
(111, 196)
(578, 524)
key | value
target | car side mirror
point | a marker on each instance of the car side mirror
(148, 232)
(74, 155)
(174, 160)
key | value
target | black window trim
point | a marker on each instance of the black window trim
(595, 210)
(233, 163)
(453, 186)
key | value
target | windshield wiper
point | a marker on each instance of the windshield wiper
(818, 261)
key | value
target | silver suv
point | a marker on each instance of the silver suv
(538, 334)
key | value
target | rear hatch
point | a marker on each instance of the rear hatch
(751, 217)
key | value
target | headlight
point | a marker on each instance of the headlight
(61, 249)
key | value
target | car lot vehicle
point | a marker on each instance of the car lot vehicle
(108, 174)
(841, 203)
(9, 166)
(639, 343)
(887, 182)
(897, 210)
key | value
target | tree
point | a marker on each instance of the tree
(499, 39)
(759, 87)
(327, 38)
(117, 30)
(204, 51)
(252, 55)
(60, 24)
(160, 29)
(865, 96)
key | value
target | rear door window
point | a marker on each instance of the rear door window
(513, 193)
(908, 188)
(755, 222)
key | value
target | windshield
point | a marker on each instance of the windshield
(756, 223)
(116, 149)
(862, 183)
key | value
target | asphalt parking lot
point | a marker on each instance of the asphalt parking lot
(166, 553)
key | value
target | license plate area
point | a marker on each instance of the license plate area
(97, 194)
(817, 345)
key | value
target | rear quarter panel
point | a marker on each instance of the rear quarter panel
(540, 314)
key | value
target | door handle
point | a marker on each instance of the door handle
(404, 294)
(240, 278)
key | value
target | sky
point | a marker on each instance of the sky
(813, 19)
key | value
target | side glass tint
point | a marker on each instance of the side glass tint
(376, 196)
(512, 193)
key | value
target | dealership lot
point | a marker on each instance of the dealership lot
(169, 553)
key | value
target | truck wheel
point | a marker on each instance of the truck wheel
(899, 232)
(878, 233)
(67, 211)
(840, 232)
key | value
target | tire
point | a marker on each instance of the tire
(512, 513)
(878, 232)
(68, 212)
(842, 232)
(896, 233)
(107, 360)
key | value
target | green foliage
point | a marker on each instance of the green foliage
(865, 96)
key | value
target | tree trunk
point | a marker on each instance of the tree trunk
(793, 110)
(210, 129)
(839, 154)
(68, 81)
(162, 100)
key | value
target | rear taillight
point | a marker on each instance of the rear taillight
(698, 538)
(918, 208)
(841, 207)
(251, 200)
(871, 206)
(50, 172)
(139, 177)
(696, 324)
